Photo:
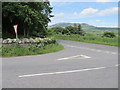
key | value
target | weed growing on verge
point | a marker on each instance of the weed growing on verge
(8, 51)
(90, 39)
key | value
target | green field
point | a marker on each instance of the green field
(90, 39)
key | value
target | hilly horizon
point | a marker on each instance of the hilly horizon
(86, 27)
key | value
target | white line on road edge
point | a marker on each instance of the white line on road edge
(117, 65)
(96, 50)
(84, 56)
(52, 73)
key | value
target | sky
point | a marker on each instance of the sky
(100, 13)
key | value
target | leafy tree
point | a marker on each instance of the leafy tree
(75, 28)
(58, 30)
(70, 29)
(109, 34)
(78, 29)
(50, 32)
(65, 31)
(32, 18)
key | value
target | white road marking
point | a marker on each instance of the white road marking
(96, 50)
(117, 65)
(84, 56)
(63, 72)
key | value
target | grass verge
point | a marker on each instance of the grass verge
(11, 51)
(90, 39)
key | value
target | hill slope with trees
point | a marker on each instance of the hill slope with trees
(86, 27)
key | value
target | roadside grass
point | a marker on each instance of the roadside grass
(90, 39)
(11, 51)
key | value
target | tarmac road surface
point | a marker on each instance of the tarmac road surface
(79, 65)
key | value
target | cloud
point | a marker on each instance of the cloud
(102, 23)
(86, 13)
(89, 11)
(108, 11)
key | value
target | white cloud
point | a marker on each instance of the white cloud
(86, 13)
(108, 11)
(101, 23)
(89, 11)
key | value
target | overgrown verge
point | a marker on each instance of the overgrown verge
(10, 51)
(32, 46)
(90, 39)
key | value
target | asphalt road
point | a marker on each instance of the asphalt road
(79, 65)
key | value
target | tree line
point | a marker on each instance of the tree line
(75, 29)
(32, 18)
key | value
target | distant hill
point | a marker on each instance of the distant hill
(61, 24)
(87, 27)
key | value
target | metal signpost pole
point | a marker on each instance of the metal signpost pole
(15, 28)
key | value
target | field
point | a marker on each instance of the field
(91, 38)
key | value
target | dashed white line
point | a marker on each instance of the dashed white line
(84, 56)
(63, 72)
(117, 65)
(96, 50)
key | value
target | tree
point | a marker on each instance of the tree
(32, 17)
(109, 34)
(58, 30)
(75, 28)
(78, 30)
(70, 29)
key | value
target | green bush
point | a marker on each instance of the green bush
(90, 38)
(58, 30)
(75, 29)
(15, 50)
(109, 34)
